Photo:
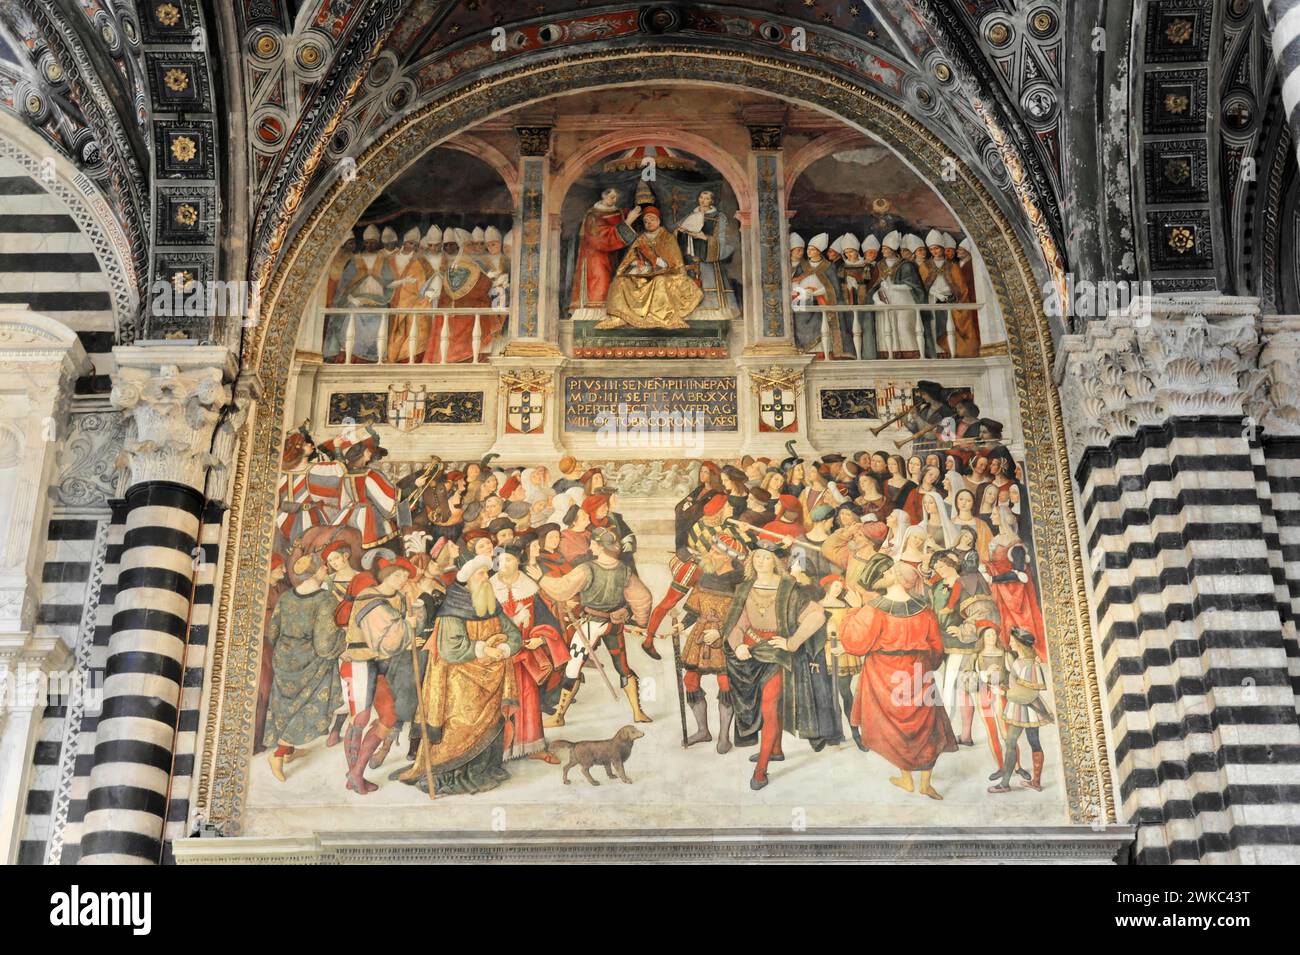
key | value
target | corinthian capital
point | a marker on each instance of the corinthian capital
(1162, 357)
(173, 396)
(1274, 401)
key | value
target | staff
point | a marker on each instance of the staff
(421, 754)
(677, 670)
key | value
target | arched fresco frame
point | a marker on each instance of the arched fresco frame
(226, 747)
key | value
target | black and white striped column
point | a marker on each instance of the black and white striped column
(1176, 527)
(1283, 18)
(174, 395)
(1274, 409)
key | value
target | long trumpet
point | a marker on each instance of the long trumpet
(920, 434)
(898, 417)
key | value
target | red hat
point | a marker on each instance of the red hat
(474, 534)
(511, 485)
(337, 545)
(876, 530)
(454, 476)
(828, 580)
(729, 546)
(593, 502)
(387, 567)
(715, 504)
(789, 502)
(651, 211)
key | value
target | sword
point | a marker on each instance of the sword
(591, 655)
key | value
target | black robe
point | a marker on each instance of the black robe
(808, 706)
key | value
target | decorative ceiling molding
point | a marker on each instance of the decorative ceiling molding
(360, 40)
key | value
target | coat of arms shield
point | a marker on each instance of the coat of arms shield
(407, 406)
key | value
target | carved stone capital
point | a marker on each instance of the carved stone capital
(173, 396)
(1274, 387)
(1162, 357)
(765, 138)
(534, 140)
(247, 390)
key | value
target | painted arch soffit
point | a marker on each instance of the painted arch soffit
(900, 49)
(223, 784)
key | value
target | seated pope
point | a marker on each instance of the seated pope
(651, 288)
(469, 688)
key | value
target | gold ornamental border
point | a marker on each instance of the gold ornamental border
(227, 744)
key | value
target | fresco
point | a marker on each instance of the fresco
(868, 232)
(651, 255)
(450, 628)
(573, 632)
(425, 276)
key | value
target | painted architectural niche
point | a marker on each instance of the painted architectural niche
(660, 470)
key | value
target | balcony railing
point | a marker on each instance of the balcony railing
(436, 336)
(887, 337)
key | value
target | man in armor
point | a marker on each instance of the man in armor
(609, 595)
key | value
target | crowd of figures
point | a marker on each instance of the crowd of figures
(471, 604)
(896, 269)
(451, 268)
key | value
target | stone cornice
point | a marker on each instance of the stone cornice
(1059, 844)
(29, 340)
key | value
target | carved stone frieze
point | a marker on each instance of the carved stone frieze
(88, 475)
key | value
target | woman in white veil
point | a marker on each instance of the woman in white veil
(898, 522)
(946, 535)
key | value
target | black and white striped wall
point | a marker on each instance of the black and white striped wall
(48, 263)
(1180, 523)
(1283, 18)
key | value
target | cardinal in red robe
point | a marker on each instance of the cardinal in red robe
(897, 707)
(606, 229)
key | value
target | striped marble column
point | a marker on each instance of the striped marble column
(1176, 524)
(174, 396)
(1274, 409)
(1283, 17)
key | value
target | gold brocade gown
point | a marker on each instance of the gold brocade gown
(646, 295)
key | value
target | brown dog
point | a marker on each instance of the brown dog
(611, 753)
